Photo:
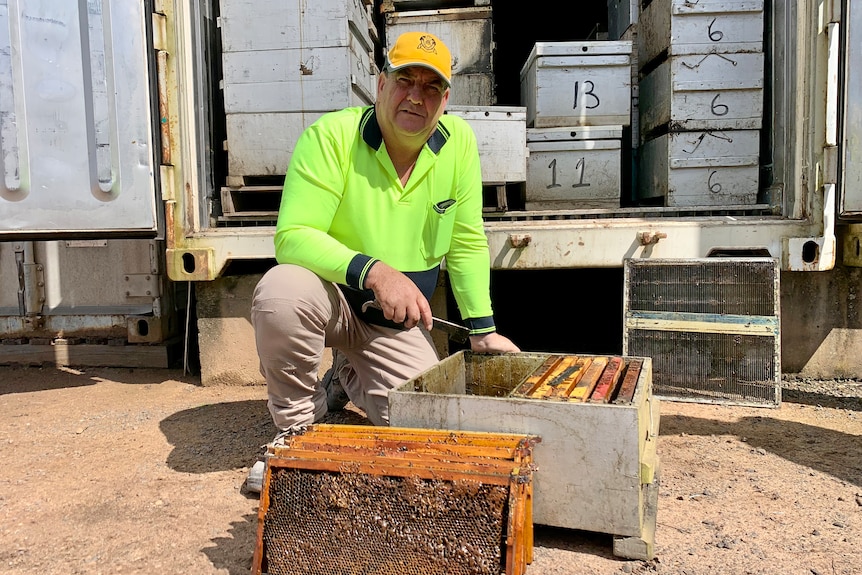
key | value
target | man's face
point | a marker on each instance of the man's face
(411, 100)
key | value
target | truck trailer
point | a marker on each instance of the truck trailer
(144, 145)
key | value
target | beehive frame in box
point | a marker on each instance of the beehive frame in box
(359, 499)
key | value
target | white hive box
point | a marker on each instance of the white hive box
(299, 79)
(283, 65)
(577, 84)
(574, 168)
(678, 27)
(253, 25)
(501, 134)
(701, 168)
(704, 92)
(261, 144)
(468, 33)
(596, 462)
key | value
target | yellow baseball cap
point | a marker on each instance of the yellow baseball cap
(421, 49)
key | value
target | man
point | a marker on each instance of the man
(374, 199)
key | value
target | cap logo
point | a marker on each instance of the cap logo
(428, 44)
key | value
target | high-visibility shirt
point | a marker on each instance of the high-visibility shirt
(343, 208)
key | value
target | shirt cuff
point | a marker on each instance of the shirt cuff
(357, 270)
(480, 325)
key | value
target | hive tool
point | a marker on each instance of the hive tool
(457, 332)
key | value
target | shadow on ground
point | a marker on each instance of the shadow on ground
(824, 450)
(218, 436)
(597, 544)
(230, 435)
(27, 379)
(234, 553)
(821, 399)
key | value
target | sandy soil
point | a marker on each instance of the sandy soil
(142, 471)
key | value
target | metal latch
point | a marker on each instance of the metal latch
(31, 282)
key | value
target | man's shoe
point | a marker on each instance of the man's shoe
(254, 481)
(336, 397)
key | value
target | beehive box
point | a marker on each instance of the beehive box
(501, 134)
(703, 92)
(577, 84)
(597, 462)
(263, 25)
(358, 499)
(299, 79)
(572, 168)
(679, 27)
(701, 168)
(469, 35)
(261, 144)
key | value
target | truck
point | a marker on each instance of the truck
(127, 237)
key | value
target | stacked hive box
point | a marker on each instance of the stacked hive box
(468, 32)
(283, 67)
(578, 100)
(701, 101)
(501, 134)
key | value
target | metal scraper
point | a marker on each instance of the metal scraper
(457, 332)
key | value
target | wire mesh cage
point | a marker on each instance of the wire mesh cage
(344, 499)
(711, 327)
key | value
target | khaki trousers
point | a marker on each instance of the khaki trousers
(296, 315)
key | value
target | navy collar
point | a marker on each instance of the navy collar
(372, 135)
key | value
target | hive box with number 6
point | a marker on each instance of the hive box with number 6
(703, 92)
(578, 84)
(574, 168)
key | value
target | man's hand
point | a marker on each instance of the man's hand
(399, 298)
(492, 343)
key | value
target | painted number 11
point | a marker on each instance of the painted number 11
(580, 167)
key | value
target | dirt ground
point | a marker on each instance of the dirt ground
(142, 471)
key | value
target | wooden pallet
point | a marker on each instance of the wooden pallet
(250, 201)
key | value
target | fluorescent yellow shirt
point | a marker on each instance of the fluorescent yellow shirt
(344, 208)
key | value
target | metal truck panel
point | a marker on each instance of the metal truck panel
(793, 227)
(81, 288)
(75, 123)
(852, 130)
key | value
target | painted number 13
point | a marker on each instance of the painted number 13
(592, 100)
